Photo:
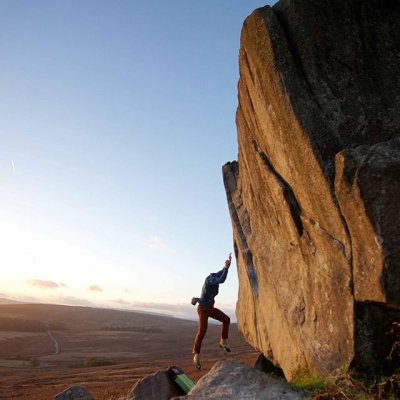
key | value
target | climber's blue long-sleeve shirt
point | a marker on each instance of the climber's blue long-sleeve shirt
(211, 286)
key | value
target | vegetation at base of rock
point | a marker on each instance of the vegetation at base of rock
(307, 381)
(347, 387)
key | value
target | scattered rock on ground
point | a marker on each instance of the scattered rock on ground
(75, 392)
(157, 386)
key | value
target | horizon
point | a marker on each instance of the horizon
(146, 311)
(118, 118)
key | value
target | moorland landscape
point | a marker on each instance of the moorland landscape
(105, 350)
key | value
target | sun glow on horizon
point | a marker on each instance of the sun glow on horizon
(41, 267)
(44, 266)
(38, 263)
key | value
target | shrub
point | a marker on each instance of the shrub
(307, 381)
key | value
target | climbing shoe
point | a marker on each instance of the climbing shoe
(196, 361)
(224, 346)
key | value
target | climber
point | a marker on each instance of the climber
(206, 309)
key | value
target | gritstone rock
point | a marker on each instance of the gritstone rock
(157, 386)
(314, 196)
(230, 380)
(74, 393)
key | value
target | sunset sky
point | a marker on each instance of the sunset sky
(116, 119)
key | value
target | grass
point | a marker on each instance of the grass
(306, 381)
(347, 386)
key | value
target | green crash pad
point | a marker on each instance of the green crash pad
(181, 379)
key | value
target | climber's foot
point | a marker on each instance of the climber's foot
(196, 361)
(224, 345)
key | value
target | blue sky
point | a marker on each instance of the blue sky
(117, 117)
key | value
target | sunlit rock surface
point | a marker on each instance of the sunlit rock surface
(314, 195)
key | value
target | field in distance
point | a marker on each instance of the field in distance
(46, 348)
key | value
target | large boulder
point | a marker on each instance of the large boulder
(314, 195)
(230, 380)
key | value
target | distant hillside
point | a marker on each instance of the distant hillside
(8, 301)
(87, 318)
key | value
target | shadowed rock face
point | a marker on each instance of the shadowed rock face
(314, 195)
(157, 386)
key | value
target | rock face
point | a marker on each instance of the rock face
(75, 392)
(314, 196)
(231, 380)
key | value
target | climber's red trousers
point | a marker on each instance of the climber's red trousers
(204, 313)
